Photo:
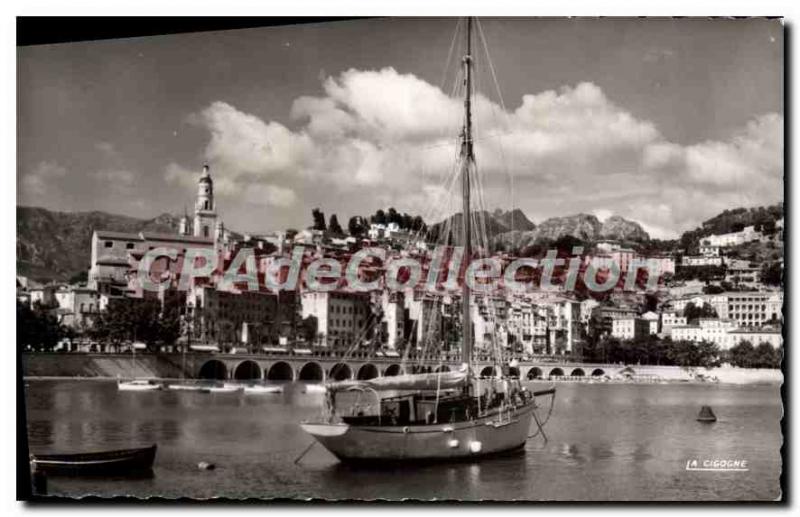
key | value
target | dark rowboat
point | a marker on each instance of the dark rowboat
(124, 461)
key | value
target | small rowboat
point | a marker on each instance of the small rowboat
(124, 461)
(262, 390)
(138, 385)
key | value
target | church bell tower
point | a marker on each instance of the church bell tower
(205, 214)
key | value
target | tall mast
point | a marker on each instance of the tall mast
(467, 158)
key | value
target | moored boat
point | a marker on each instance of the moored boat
(122, 461)
(186, 387)
(314, 388)
(441, 415)
(262, 390)
(224, 388)
(138, 385)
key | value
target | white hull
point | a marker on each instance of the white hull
(223, 389)
(314, 388)
(186, 387)
(262, 390)
(490, 434)
(137, 386)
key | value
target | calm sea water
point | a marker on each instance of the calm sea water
(606, 442)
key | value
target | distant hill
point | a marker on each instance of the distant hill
(56, 245)
(585, 227)
(495, 223)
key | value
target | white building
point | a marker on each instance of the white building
(713, 330)
(748, 234)
(670, 320)
(630, 327)
(700, 261)
(756, 337)
(341, 317)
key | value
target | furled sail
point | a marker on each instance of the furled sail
(420, 381)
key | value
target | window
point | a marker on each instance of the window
(129, 246)
(109, 244)
(205, 231)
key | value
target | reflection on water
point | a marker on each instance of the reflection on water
(606, 442)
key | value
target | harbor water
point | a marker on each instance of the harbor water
(606, 442)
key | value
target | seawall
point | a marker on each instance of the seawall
(100, 365)
(169, 367)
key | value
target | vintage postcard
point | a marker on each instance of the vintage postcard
(463, 259)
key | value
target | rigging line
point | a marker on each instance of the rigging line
(505, 112)
(444, 177)
(450, 54)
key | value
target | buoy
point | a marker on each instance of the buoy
(475, 447)
(453, 444)
(204, 465)
(706, 415)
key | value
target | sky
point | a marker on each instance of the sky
(663, 121)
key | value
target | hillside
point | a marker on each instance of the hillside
(56, 245)
(585, 227)
(733, 220)
(496, 223)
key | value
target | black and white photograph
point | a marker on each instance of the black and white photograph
(465, 259)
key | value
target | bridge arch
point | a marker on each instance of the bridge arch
(392, 370)
(513, 371)
(556, 372)
(597, 372)
(213, 369)
(578, 372)
(247, 370)
(280, 371)
(534, 373)
(311, 372)
(488, 371)
(340, 372)
(442, 368)
(367, 371)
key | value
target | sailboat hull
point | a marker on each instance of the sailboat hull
(489, 435)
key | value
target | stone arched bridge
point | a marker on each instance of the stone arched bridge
(321, 368)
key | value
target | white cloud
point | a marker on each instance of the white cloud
(107, 148)
(119, 176)
(380, 135)
(37, 182)
(270, 195)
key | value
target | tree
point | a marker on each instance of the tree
(772, 274)
(379, 217)
(319, 219)
(334, 227)
(37, 328)
(744, 355)
(693, 312)
(393, 217)
(291, 233)
(764, 356)
(741, 355)
(79, 278)
(356, 226)
(138, 320)
(308, 328)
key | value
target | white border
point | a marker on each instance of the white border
(786, 8)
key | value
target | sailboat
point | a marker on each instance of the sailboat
(137, 384)
(433, 416)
